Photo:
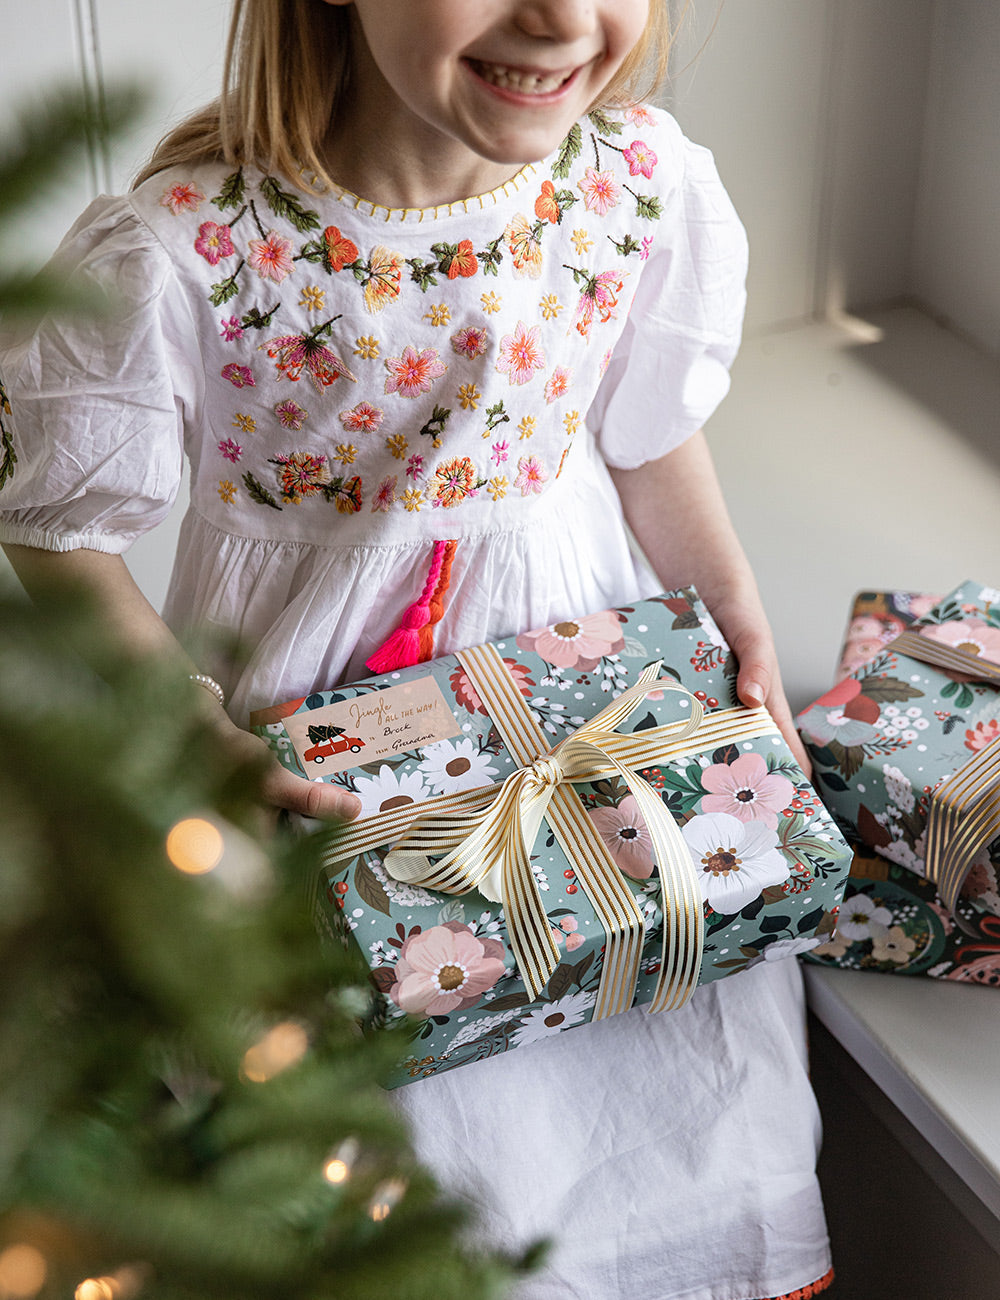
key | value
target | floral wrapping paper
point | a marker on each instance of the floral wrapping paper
(772, 863)
(893, 919)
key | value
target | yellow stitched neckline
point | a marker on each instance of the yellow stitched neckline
(477, 203)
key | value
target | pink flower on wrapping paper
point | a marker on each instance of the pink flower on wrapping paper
(301, 474)
(290, 414)
(385, 494)
(577, 643)
(531, 476)
(182, 198)
(983, 734)
(363, 418)
(414, 372)
(600, 190)
(640, 158)
(271, 257)
(415, 466)
(971, 635)
(232, 330)
(745, 789)
(566, 932)
(214, 242)
(470, 342)
(468, 697)
(238, 376)
(499, 453)
(231, 449)
(626, 836)
(983, 970)
(444, 969)
(293, 353)
(557, 384)
(521, 353)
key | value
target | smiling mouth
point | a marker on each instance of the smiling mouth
(523, 82)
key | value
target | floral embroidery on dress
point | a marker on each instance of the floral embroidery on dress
(290, 414)
(363, 418)
(214, 242)
(8, 456)
(293, 353)
(521, 353)
(184, 197)
(414, 372)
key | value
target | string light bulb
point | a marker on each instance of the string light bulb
(195, 846)
(96, 1288)
(281, 1047)
(385, 1198)
(340, 1161)
(23, 1270)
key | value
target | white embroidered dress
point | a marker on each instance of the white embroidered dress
(348, 385)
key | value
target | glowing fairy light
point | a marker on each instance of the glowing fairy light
(23, 1270)
(96, 1288)
(195, 846)
(281, 1047)
(340, 1161)
(385, 1198)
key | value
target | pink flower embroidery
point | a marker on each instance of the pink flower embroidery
(231, 329)
(577, 643)
(413, 372)
(499, 452)
(639, 115)
(453, 481)
(600, 295)
(385, 494)
(294, 353)
(521, 353)
(971, 635)
(182, 198)
(531, 476)
(745, 789)
(983, 734)
(238, 376)
(468, 697)
(347, 495)
(470, 342)
(301, 474)
(363, 418)
(271, 258)
(626, 835)
(647, 247)
(231, 449)
(446, 968)
(290, 414)
(214, 242)
(600, 191)
(415, 466)
(640, 158)
(557, 384)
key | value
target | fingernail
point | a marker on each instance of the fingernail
(754, 692)
(352, 806)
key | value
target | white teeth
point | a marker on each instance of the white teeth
(527, 83)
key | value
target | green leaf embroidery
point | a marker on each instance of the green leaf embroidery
(435, 426)
(258, 492)
(568, 151)
(285, 204)
(256, 320)
(8, 456)
(422, 273)
(232, 192)
(225, 289)
(647, 205)
(604, 124)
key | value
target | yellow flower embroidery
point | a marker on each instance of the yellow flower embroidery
(572, 422)
(346, 452)
(551, 306)
(398, 445)
(469, 395)
(581, 241)
(313, 298)
(227, 491)
(438, 314)
(527, 426)
(367, 347)
(491, 303)
(412, 498)
(497, 487)
(245, 423)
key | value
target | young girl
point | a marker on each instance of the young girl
(430, 273)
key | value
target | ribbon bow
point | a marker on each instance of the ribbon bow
(490, 850)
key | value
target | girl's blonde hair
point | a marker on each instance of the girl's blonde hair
(286, 68)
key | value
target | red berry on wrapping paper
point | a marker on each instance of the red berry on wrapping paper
(712, 702)
(341, 886)
(569, 873)
(340, 902)
(700, 695)
(571, 889)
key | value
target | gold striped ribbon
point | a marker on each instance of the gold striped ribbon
(483, 838)
(964, 813)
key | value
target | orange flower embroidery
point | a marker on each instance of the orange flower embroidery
(340, 251)
(546, 207)
(465, 262)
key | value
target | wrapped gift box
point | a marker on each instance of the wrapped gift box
(760, 870)
(901, 739)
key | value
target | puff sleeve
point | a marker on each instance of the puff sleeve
(670, 368)
(97, 403)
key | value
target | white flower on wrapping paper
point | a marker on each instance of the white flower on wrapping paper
(477, 1029)
(861, 918)
(990, 596)
(397, 892)
(389, 790)
(452, 766)
(895, 946)
(898, 788)
(553, 1017)
(735, 860)
(904, 856)
(782, 948)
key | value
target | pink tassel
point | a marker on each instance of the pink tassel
(403, 646)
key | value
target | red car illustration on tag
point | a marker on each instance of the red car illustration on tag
(330, 740)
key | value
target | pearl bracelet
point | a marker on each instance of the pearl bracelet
(210, 684)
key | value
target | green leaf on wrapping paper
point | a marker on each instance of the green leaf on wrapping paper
(452, 911)
(887, 690)
(509, 1002)
(849, 757)
(965, 697)
(633, 649)
(832, 781)
(812, 920)
(688, 619)
(771, 924)
(645, 724)
(772, 894)
(560, 982)
(949, 724)
(732, 963)
(383, 977)
(727, 754)
(583, 966)
(369, 889)
(823, 756)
